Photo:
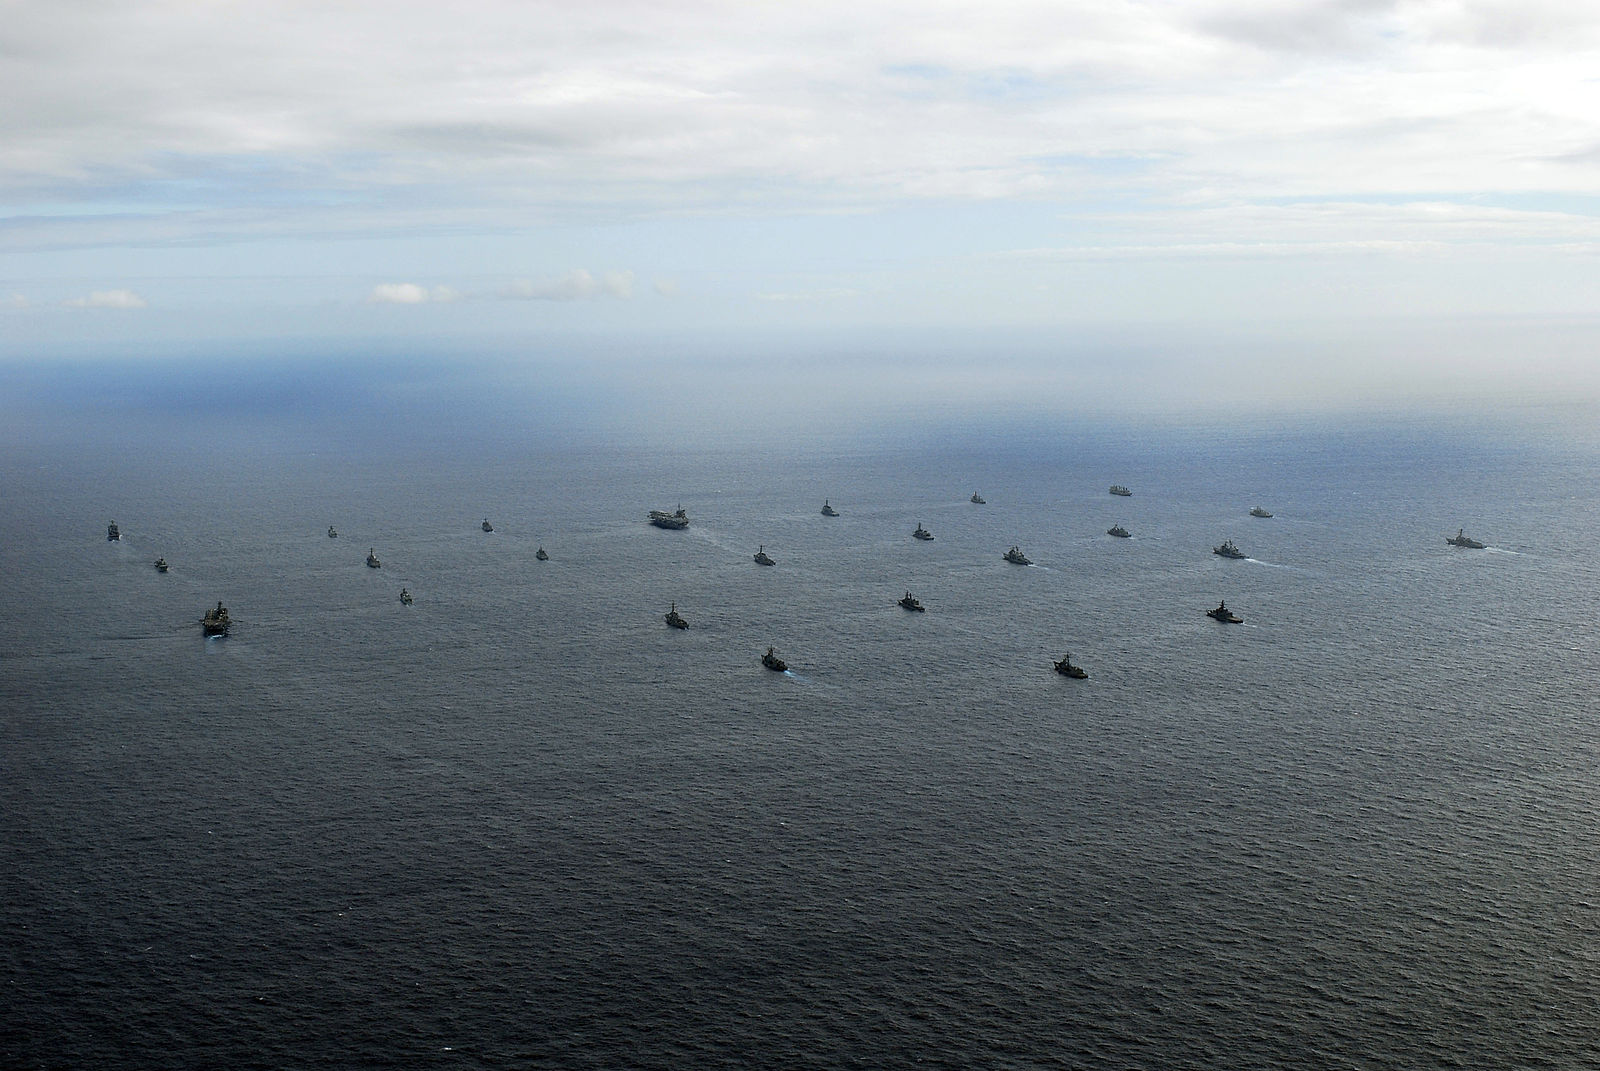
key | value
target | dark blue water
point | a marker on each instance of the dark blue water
(523, 823)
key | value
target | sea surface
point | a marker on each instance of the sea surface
(522, 823)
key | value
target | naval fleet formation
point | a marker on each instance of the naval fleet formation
(216, 622)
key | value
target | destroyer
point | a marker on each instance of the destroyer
(372, 559)
(331, 533)
(662, 519)
(922, 533)
(1016, 557)
(1228, 550)
(487, 527)
(1460, 539)
(1120, 491)
(827, 510)
(978, 500)
(675, 619)
(1118, 531)
(1257, 511)
(541, 555)
(1067, 669)
(1225, 615)
(910, 603)
(762, 557)
(161, 565)
(405, 597)
(773, 662)
(113, 533)
(216, 622)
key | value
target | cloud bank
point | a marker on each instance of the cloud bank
(887, 162)
(107, 299)
(573, 286)
(411, 294)
(637, 107)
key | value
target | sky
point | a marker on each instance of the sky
(1407, 190)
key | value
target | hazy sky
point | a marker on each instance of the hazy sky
(175, 173)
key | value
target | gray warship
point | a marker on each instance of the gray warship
(1067, 669)
(1225, 615)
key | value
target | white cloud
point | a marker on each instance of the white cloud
(617, 284)
(573, 286)
(14, 301)
(667, 288)
(411, 294)
(832, 294)
(108, 299)
(399, 294)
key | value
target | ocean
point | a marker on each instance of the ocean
(522, 823)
